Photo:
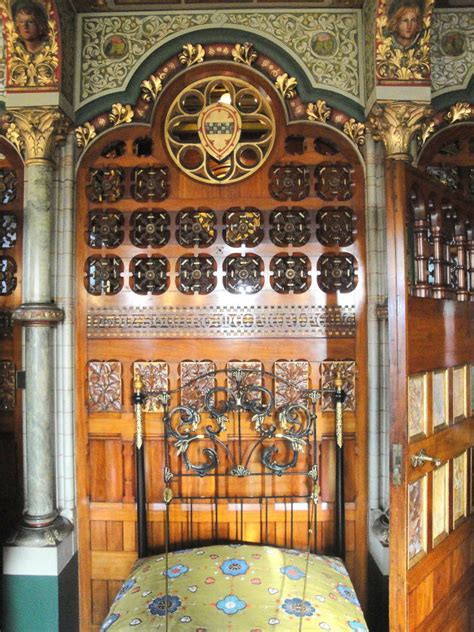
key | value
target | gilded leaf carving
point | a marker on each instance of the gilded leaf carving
(192, 54)
(459, 112)
(151, 87)
(121, 114)
(355, 130)
(244, 53)
(318, 111)
(84, 135)
(286, 86)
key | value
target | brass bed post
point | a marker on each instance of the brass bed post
(340, 508)
(138, 399)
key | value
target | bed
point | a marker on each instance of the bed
(250, 438)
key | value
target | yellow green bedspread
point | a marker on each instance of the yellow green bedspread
(241, 588)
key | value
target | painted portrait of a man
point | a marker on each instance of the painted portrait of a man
(405, 22)
(31, 24)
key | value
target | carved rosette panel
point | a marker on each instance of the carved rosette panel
(192, 391)
(154, 377)
(150, 183)
(8, 280)
(289, 226)
(243, 275)
(290, 273)
(196, 275)
(8, 230)
(105, 185)
(252, 377)
(150, 229)
(7, 185)
(7, 386)
(149, 274)
(335, 226)
(103, 275)
(196, 227)
(337, 273)
(347, 369)
(105, 228)
(289, 182)
(291, 377)
(334, 181)
(243, 227)
(104, 386)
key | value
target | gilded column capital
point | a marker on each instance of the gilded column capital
(395, 123)
(35, 132)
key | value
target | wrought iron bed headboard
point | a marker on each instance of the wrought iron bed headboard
(270, 436)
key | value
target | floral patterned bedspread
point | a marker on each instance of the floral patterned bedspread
(241, 588)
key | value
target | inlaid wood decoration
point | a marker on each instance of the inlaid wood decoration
(417, 520)
(440, 399)
(203, 243)
(417, 405)
(440, 504)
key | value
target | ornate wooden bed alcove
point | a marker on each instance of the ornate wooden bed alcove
(177, 277)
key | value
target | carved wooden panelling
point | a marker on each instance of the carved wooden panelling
(8, 230)
(105, 185)
(289, 226)
(8, 279)
(337, 273)
(196, 227)
(194, 384)
(149, 184)
(243, 274)
(104, 386)
(6, 324)
(417, 527)
(292, 377)
(8, 185)
(149, 228)
(347, 370)
(105, 229)
(252, 376)
(196, 275)
(7, 386)
(440, 504)
(459, 393)
(440, 398)
(154, 376)
(289, 182)
(150, 275)
(290, 273)
(417, 406)
(223, 321)
(334, 181)
(335, 226)
(243, 227)
(459, 488)
(104, 275)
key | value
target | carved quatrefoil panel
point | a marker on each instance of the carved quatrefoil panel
(7, 185)
(289, 182)
(149, 228)
(104, 275)
(105, 185)
(335, 226)
(289, 226)
(334, 181)
(8, 230)
(337, 273)
(196, 227)
(196, 275)
(8, 278)
(243, 227)
(105, 228)
(149, 274)
(150, 183)
(243, 275)
(290, 274)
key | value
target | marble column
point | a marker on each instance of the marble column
(38, 131)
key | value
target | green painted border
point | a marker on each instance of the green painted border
(212, 36)
(446, 100)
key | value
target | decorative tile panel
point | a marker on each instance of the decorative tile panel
(440, 399)
(292, 377)
(416, 520)
(195, 386)
(154, 376)
(290, 273)
(347, 370)
(243, 275)
(196, 275)
(105, 185)
(104, 275)
(459, 488)
(8, 280)
(196, 227)
(105, 228)
(104, 386)
(335, 226)
(252, 376)
(334, 181)
(243, 227)
(289, 226)
(452, 57)
(8, 230)
(7, 386)
(150, 275)
(440, 503)
(149, 228)
(149, 184)
(337, 273)
(459, 393)
(289, 182)
(7, 185)
(417, 406)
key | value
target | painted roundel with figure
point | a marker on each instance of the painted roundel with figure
(220, 130)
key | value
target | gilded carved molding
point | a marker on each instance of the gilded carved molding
(395, 123)
(35, 132)
(457, 113)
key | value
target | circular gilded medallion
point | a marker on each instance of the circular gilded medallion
(453, 44)
(324, 44)
(220, 129)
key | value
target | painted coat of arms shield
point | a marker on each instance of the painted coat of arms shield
(219, 127)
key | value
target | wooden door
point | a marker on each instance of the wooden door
(176, 274)
(431, 320)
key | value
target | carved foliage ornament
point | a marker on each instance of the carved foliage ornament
(318, 111)
(244, 53)
(33, 55)
(192, 54)
(8, 280)
(104, 386)
(35, 131)
(7, 185)
(286, 86)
